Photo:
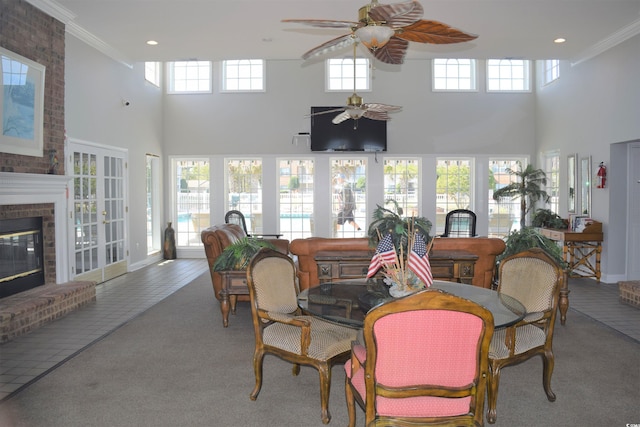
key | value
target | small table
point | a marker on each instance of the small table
(234, 283)
(344, 302)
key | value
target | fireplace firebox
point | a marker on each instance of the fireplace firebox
(21, 255)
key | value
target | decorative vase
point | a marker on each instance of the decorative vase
(169, 248)
(397, 291)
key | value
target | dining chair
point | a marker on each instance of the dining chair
(460, 223)
(237, 217)
(534, 279)
(424, 361)
(281, 328)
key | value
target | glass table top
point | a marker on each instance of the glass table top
(347, 302)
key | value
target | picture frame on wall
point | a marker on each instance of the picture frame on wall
(21, 104)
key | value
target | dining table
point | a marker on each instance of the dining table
(347, 301)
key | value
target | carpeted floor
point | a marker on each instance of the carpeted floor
(175, 365)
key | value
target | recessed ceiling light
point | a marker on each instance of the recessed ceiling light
(560, 40)
(152, 42)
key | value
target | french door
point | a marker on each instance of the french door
(98, 210)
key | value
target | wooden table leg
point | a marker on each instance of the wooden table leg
(563, 304)
(224, 308)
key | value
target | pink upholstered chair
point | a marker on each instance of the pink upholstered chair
(282, 330)
(424, 361)
(534, 279)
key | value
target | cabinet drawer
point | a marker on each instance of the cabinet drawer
(353, 270)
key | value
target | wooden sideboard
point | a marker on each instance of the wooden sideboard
(454, 265)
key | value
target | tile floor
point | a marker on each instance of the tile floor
(28, 358)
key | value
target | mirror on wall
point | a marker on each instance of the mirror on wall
(585, 185)
(571, 182)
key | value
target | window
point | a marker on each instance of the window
(348, 202)
(401, 183)
(454, 74)
(190, 77)
(191, 211)
(296, 198)
(504, 215)
(551, 70)
(152, 73)
(245, 75)
(340, 74)
(453, 188)
(508, 75)
(153, 204)
(244, 191)
(552, 170)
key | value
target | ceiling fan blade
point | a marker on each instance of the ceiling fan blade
(341, 118)
(397, 14)
(376, 115)
(331, 45)
(433, 32)
(323, 23)
(319, 113)
(377, 107)
(393, 52)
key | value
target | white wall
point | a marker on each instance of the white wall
(593, 105)
(95, 86)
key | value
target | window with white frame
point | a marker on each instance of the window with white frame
(296, 206)
(454, 184)
(349, 201)
(454, 74)
(402, 185)
(552, 171)
(504, 214)
(244, 191)
(340, 74)
(153, 203)
(508, 75)
(152, 73)
(189, 77)
(243, 75)
(551, 70)
(191, 186)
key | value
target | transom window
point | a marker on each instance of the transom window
(508, 75)
(340, 74)
(189, 77)
(454, 74)
(551, 70)
(152, 73)
(244, 75)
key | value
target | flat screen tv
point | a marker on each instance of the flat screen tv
(369, 135)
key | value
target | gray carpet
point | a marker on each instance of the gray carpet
(175, 365)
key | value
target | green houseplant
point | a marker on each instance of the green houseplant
(237, 255)
(527, 238)
(547, 218)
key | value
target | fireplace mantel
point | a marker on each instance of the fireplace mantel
(27, 188)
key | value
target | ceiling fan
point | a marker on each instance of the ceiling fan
(386, 30)
(356, 108)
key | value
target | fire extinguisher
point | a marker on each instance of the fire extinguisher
(602, 176)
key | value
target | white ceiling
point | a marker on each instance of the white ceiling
(241, 29)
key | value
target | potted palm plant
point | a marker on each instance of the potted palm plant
(237, 255)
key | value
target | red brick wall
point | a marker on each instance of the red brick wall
(35, 35)
(46, 211)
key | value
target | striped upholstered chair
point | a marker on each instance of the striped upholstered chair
(534, 279)
(424, 362)
(281, 329)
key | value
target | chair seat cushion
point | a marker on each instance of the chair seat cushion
(527, 337)
(327, 339)
(423, 406)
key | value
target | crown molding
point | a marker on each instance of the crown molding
(65, 16)
(614, 39)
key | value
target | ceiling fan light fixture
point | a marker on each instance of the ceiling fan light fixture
(374, 36)
(355, 113)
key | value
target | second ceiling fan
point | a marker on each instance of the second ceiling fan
(386, 30)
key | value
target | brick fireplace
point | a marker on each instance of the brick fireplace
(25, 195)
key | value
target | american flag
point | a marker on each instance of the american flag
(385, 254)
(419, 260)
